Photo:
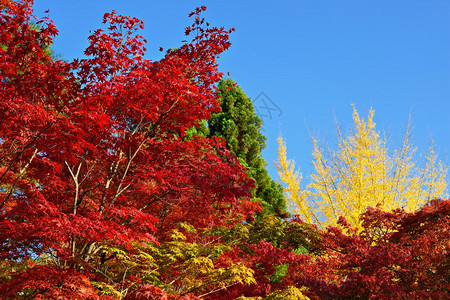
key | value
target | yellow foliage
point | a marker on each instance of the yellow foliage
(196, 262)
(361, 172)
(289, 293)
(108, 289)
(295, 198)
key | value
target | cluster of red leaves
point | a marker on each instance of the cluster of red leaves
(397, 255)
(93, 153)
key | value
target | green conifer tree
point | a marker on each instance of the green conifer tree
(239, 126)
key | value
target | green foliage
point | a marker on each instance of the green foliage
(240, 127)
(201, 129)
(280, 271)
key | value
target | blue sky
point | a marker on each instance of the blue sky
(308, 61)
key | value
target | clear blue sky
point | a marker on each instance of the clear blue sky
(311, 59)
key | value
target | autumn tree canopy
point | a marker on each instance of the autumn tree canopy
(363, 171)
(91, 152)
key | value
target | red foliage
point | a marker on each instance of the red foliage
(41, 282)
(93, 152)
(263, 258)
(397, 255)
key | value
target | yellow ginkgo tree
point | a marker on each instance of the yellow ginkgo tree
(363, 171)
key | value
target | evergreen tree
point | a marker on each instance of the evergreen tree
(239, 126)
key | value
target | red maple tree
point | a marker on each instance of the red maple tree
(93, 152)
